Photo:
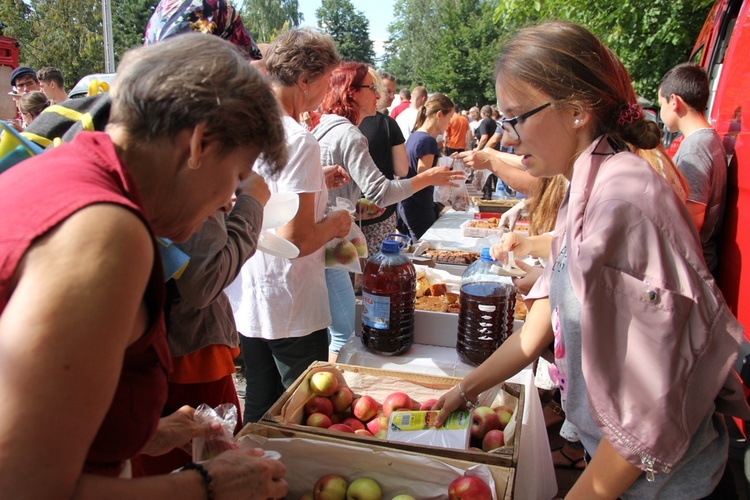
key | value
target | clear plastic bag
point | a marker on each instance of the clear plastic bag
(345, 253)
(460, 201)
(206, 448)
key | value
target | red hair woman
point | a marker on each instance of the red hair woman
(353, 95)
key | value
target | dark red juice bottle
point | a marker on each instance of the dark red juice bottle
(487, 305)
(389, 285)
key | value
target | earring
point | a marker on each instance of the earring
(576, 122)
(193, 165)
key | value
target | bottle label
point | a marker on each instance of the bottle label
(376, 311)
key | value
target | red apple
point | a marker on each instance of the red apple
(469, 488)
(330, 487)
(504, 414)
(362, 432)
(396, 401)
(353, 423)
(493, 439)
(341, 399)
(364, 488)
(319, 404)
(341, 428)
(345, 252)
(337, 418)
(361, 245)
(364, 408)
(427, 405)
(323, 383)
(378, 426)
(319, 420)
(483, 420)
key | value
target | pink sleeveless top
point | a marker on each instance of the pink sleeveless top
(37, 195)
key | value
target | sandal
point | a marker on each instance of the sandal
(553, 413)
(570, 462)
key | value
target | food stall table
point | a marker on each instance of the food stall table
(535, 473)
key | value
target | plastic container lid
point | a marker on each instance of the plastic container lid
(390, 247)
(484, 254)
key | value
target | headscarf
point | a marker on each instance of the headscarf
(217, 17)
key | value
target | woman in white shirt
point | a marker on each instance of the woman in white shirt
(283, 311)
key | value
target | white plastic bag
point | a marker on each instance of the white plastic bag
(344, 253)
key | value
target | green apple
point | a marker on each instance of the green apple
(323, 383)
(364, 488)
(330, 487)
(404, 497)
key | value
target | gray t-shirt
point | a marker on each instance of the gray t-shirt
(700, 469)
(702, 160)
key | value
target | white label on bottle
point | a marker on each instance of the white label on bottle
(486, 308)
(376, 311)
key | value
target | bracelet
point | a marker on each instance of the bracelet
(471, 405)
(207, 479)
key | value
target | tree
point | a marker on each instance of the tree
(68, 35)
(649, 36)
(349, 28)
(265, 19)
(456, 59)
(129, 20)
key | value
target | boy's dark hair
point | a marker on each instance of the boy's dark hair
(51, 75)
(690, 82)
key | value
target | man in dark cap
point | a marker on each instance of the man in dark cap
(24, 80)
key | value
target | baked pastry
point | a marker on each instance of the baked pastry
(453, 256)
(436, 289)
(426, 303)
(520, 311)
(422, 286)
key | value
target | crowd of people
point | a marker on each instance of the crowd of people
(202, 130)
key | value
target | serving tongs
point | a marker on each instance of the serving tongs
(509, 268)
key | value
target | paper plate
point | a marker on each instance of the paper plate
(280, 209)
(276, 245)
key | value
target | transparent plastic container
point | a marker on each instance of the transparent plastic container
(389, 286)
(485, 318)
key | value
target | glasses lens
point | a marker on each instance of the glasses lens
(510, 129)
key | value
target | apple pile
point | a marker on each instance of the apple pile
(336, 408)
(333, 487)
(487, 426)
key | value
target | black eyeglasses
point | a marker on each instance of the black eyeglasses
(372, 87)
(509, 124)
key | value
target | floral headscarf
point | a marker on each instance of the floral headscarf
(217, 17)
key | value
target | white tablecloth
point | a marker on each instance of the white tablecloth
(535, 474)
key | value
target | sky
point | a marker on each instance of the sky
(378, 12)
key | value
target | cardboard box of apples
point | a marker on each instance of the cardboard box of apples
(327, 467)
(354, 403)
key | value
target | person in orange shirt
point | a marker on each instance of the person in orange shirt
(456, 134)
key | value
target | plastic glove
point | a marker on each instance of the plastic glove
(511, 216)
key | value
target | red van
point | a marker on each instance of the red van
(722, 50)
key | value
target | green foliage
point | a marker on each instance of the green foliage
(450, 45)
(349, 28)
(68, 35)
(649, 36)
(446, 45)
(265, 19)
(129, 20)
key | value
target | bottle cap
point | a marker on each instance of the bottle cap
(484, 254)
(390, 247)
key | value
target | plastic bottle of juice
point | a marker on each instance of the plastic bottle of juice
(389, 285)
(485, 318)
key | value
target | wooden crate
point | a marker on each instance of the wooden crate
(288, 411)
(342, 456)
